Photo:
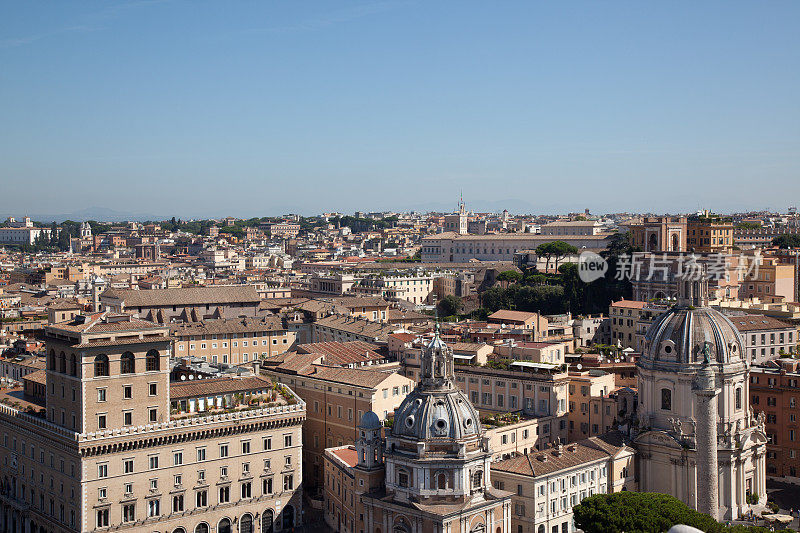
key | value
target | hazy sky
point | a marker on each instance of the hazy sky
(256, 108)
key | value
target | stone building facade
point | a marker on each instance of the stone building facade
(105, 452)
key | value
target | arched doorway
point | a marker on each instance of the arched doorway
(267, 521)
(288, 517)
(652, 243)
(675, 245)
(246, 523)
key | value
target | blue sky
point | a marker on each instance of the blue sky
(258, 108)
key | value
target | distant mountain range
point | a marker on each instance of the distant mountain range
(100, 214)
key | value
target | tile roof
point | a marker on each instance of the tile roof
(207, 387)
(356, 326)
(349, 376)
(342, 353)
(227, 325)
(505, 314)
(758, 322)
(569, 456)
(215, 295)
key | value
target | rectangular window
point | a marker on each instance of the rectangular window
(201, 498)
(246, 446)
(177, 503)
(201, 454)
(153, 462)
(223, 450)
(288, 482)
(177, 458)
(102, 470)
(128, 512)
(127, 466)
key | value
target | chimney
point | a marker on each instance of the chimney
(257, 367)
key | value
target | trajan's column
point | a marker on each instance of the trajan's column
(705, 388)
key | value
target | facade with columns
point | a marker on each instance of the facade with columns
(431, 471)
(696, 437)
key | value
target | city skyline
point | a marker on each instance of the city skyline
(210, 111)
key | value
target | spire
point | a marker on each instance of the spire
(437, 363)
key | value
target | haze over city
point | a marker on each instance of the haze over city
(394, 266)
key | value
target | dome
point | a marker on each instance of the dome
(684, 334)
(435, 414)
(370, 421)
(436, 408)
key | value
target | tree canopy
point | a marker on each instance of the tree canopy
(789, 240)
(449, 305)
(645, 512)
(555, 250)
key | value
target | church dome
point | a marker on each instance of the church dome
(431, 415)
(685, 334)
(436, 408)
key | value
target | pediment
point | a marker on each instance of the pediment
(657, 438)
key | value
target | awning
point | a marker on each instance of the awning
(531, 364)
(465, 357)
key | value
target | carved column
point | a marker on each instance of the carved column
(705, 391)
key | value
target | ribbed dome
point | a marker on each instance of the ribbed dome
(681, 334)
(436, 408)
(436, 414)
(370, 421)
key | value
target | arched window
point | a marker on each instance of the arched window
(477, 479)
(401, 526)
(288, 517)
(224, 526)
(738, 398)
(73, 365)
(178, 530)
(666, 399)
(541, 529)
(202, 527)
(152, 361)
(101, 365)
(51, 363)
(441, 481)
(246, 523)
(127, 363)
(267, 521)
(62, 363)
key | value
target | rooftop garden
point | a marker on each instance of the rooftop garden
(500, 419)
(232, 402)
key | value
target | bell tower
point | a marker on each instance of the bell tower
(369, 445)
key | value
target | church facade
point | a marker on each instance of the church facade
(431, 471)
(697, 438)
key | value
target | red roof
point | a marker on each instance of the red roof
(348, 455)
(629, 304)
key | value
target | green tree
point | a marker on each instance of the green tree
(789, 240)
(509, 276)
(555, 250)
(644, 512)
(450, 305)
